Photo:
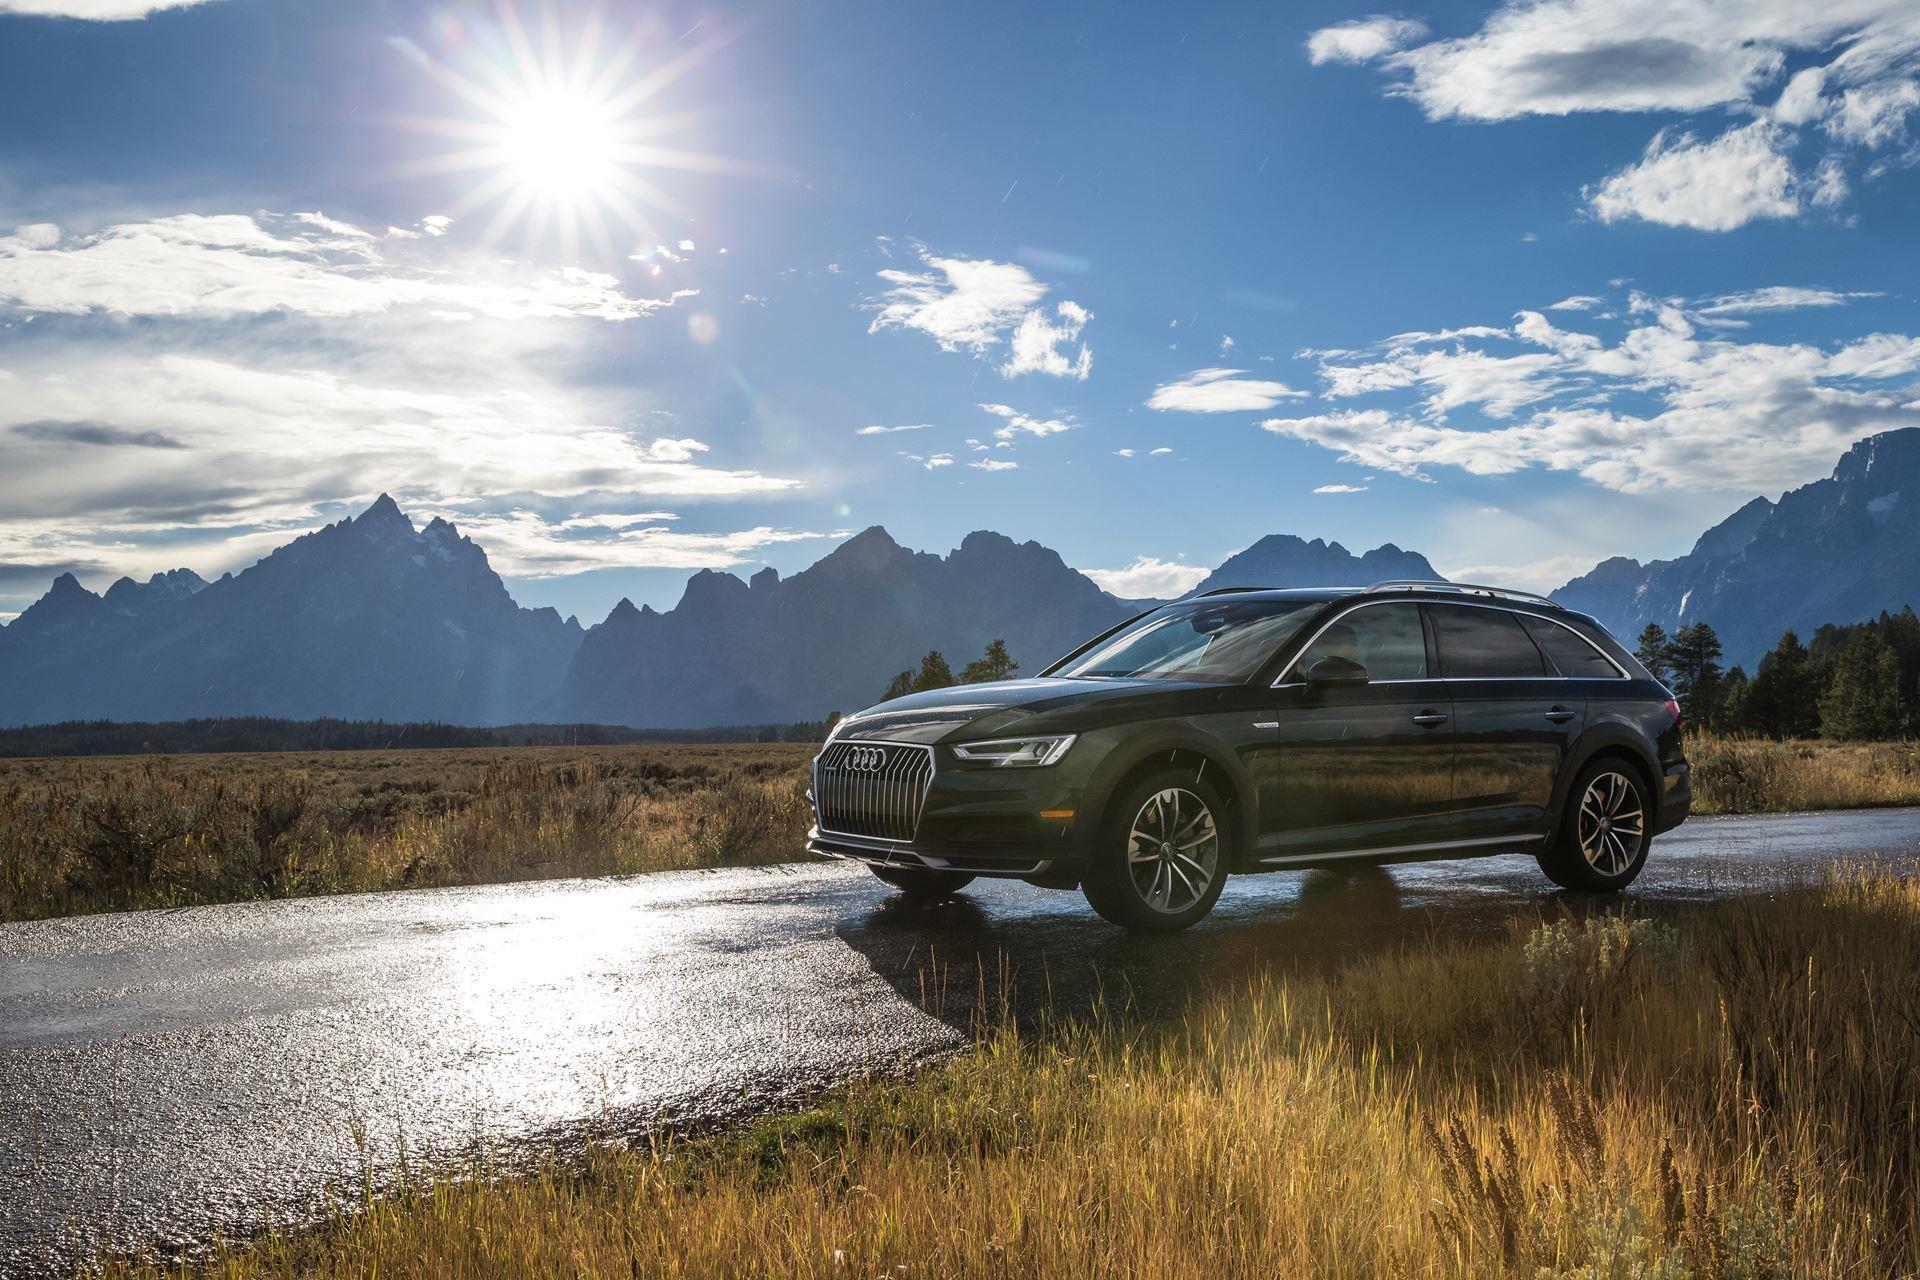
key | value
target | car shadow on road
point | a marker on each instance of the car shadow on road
(978, 960)
(972, 964)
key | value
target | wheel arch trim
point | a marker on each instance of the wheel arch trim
(1607, 738)
(1165, 749)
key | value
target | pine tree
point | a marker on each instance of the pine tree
(898, 687)
(934, 673)
(1652, 651)
(1735, 714)
(1785, 702)
(994, 665)
(1693, 664)
(1864, 700)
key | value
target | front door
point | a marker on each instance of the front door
(1364, 766)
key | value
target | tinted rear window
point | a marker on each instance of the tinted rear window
(1484, 643)
(1572, 655)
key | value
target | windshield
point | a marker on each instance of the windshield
(1222, 640)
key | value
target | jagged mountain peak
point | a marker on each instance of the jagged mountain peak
(1835, 550)
(384, 517)
(870, 552)
(130, 597)
(1287, 560)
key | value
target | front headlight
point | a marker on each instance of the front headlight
(1017, 753)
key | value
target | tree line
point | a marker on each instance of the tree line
(935, 673)
(264, 733)
(1860, 681)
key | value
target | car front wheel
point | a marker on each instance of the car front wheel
(1162, 854)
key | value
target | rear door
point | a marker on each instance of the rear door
(1515, 717)
(1366, 766)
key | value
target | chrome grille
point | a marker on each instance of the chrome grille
(872, 789)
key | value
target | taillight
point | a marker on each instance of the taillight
(1673, 709)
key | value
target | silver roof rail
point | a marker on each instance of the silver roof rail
(1463, 588)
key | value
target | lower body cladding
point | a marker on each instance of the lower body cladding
(981, 822)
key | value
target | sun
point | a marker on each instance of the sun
(561, 144)
(565, 138)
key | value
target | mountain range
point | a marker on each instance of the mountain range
(370, 618)
(1837, 550)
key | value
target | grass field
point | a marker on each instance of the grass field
(112, 833)
(1733, 1093)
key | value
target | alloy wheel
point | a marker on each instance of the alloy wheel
(1173, 850)
(1612, 823)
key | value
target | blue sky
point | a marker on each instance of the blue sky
(618, 288)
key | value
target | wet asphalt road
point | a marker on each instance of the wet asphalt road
(165, 1075)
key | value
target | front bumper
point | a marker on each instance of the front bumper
(982, 821)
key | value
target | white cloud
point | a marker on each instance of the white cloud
(1541, 575)
(1363, 39)
(1829, 187)
(526, 544)
(994, 464)
(958, 302)
(930, 463)
(1736, 178)
(1559, 57)
(1149, 578)
(1123, 453)
(1036, 340)
(1161, 452)
(1774, 298)
(1018, 423)
(878, 430)
(1724, 414)
(1453, 379)
(1800, 102)
(93, 10)
(305, 264)
(1220, 391)
(1578, 302)
(976, 304)
(1876, 114)
(1555, 57)
(1341, 488)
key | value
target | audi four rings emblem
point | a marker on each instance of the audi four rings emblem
(864, 760)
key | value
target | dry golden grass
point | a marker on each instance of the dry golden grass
(110, 834)
(113, 833)
(1756, 775)
(1730, 1096)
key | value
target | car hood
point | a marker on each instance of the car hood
(1005, 706)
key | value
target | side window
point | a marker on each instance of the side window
(1572, 654)
(1384, 638)
(1484, 643)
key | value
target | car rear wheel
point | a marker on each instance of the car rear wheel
(1162, 854)
(923, 882)
(1605, 832)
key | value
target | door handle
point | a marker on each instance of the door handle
(1560, 715)
(1427, 719)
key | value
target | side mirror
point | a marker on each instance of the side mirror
(1330, 672)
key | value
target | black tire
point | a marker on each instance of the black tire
(923, 883)
(1156, 891)
(1605, 831)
